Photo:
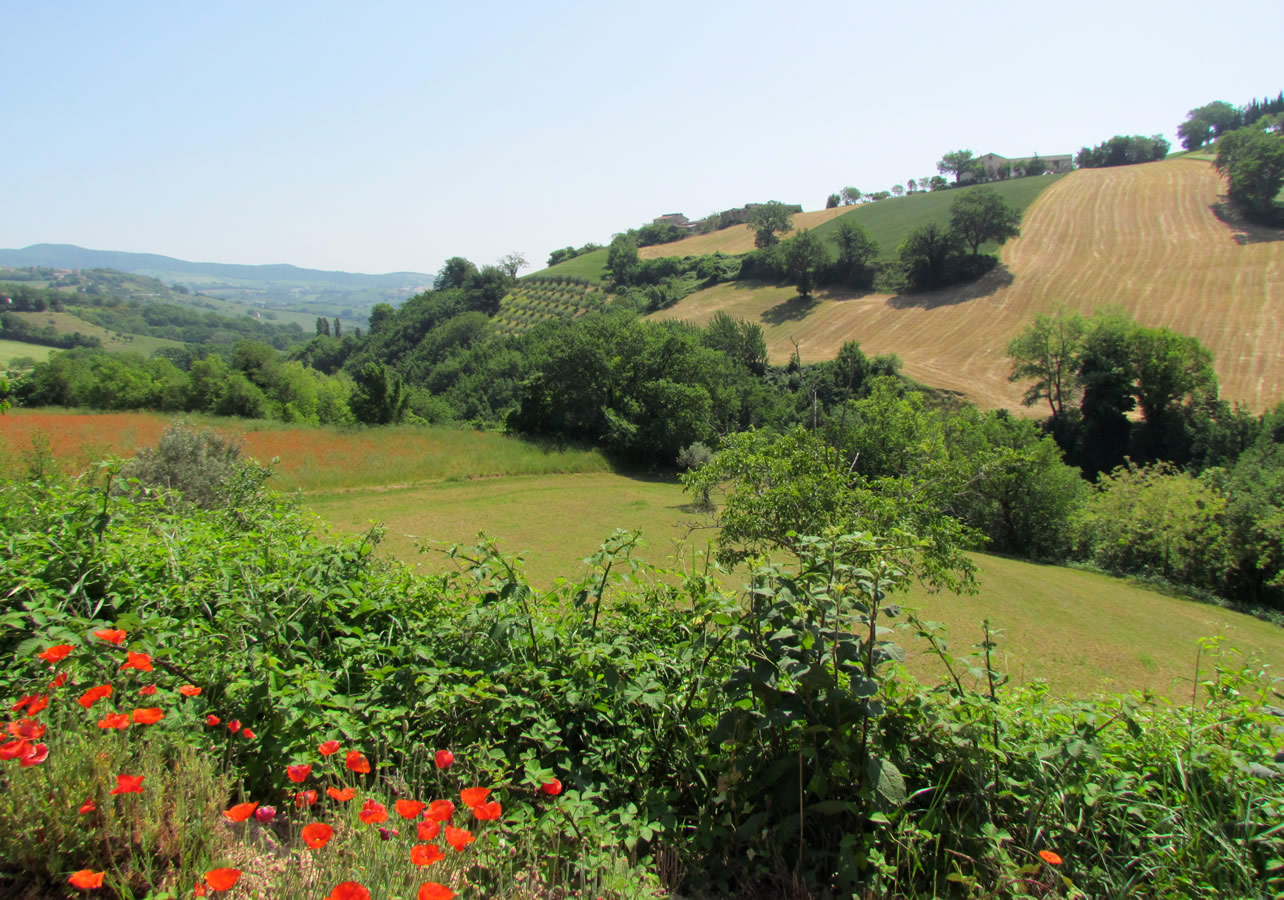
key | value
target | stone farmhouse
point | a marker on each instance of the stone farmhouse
(998, 167)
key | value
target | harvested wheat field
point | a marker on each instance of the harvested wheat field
(1147, 238)
(736, 239)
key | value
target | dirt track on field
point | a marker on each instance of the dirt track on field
(1147, 238)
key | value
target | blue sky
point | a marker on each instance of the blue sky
(380, 137)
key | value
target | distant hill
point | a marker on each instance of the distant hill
(316, 292)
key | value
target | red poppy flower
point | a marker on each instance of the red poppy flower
(37, 704)
(329, 747)
(147, 691)
(441, 810)
(298, 774)
(111, 635)
(344, 795)
(305, 798)
(459, 838)
(15, 749)
(444, 759)
(357, 762)
(94, 694)
(408, 809)
(86, 879)
(240, 812)
(87, 807)
(140, 661)
(58, 681)
(115, 720)
(189, 690)
(1050, 858)
(426, 854)
(30, 729)
(317, 835)
(56, 654)
(22, 704)
(149, 716)
(212, 720)
(552, 788)
(128, 784)
(247, 734)
(200, 890)
(35, 755)
(488, 811)
(349, 890)
(474, 796)
(222, 879)
(372, 812)
(234, 726)
(428, 831)
(434, 891)
(265, 814)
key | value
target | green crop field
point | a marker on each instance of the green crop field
(66, 323)
(11, 350)
(590, 266)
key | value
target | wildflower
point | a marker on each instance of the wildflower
(56, 654)
(305, 798)
(265, 814)
(222, 879)
(459, 838)
(552, 788)
(342, 795)
(234, 726)
(474, 796)
(147, 690)
(1050, 858)
(434, 891)
(428, 831)
(329, 747)
(357, 762)
(247, 734)
(37, 704)
(59, 680)
(189, 690)
(148, 716)
(111, 635)
(87, 807)
(128, 784)
(34, 756)
(426, 854)
(15, 749)
(200, 890)
(119, 721)
(317, 835)
(86, 879)
(349, 890)
(387, 834)
(441, 810)
(29, 729)
(212, 720)
(488, 811)
(240, 812)
(140, 661)
(94, 694)
(372, 812)
(298, 774)
(408, 809)
(444, 759)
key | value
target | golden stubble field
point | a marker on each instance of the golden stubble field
(736, 239)
(1146, 238)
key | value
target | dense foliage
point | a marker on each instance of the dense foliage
(1123, 150)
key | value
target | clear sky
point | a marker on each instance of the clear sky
(378, 137)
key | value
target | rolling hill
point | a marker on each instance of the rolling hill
(1150, 238)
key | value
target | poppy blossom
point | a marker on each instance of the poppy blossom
(305, 798)
(37, 704)
(115, 720)
(189, 690)
(265, 814)
(234, 726)
(140, 661)
(212, 720)
(357, 762)
(200, 890)
(441, 810)
(58, 681)
(30, 729)
(87, 807)
(94, 694)
(149, 716)
(349, 890)
(22, 704)
(474, 796)
(329, 747)
(222, 879)
(317, 835)
(428, 831)
(15, 749)
(552, 788)
(128, 784)
(240, 812)
(147, 690)
(247, 734)
(387, 834)
(111, 635)
(434, 891)
(298, 774)
(35, 755)
(488, 811)
(56, 654)
(342, 795)
(444, 759)
(86, 879)
(372, 812)
(408, 809)
(1050, 858)
(426, 854)
(459, 838)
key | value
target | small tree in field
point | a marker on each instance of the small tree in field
(979, 214)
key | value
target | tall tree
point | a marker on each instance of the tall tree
(512, 263)
(898, 190)
(979, 214)
(927, 253)
(804, 256)
(454, 273)
(1252, 159)
(912, 185)
(622, 259)
(832, 200)
(766, 219)
(323, 326)
(856, 251)
(851, 196)
(955, 163)
(380, 398)
(1048, 351)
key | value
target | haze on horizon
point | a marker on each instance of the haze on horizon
(391, 136)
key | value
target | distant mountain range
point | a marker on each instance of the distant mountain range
(280, 286)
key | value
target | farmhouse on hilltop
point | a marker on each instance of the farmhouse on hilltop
(997, 167)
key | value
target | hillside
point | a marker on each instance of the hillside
(1147, 238)
(736, 239)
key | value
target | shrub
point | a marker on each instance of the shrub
(204, 468)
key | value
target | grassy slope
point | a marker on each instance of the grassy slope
(591, 265)
(736, 239)
(66, 323)
(11, 350)
(1144, 237)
